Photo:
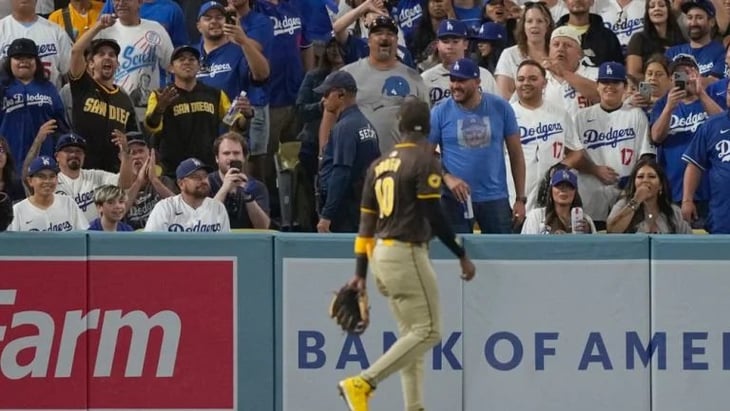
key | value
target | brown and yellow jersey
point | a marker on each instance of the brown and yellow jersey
(394, 184)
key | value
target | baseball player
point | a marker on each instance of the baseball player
(400, 207)
(191, 210)
(44, 210)
(615, 136)
(452, 45)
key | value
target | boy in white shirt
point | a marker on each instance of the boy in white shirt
(44, 210)
(191, 210)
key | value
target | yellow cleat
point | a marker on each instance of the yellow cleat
(355, 391)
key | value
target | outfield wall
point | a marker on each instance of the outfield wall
(238, 321)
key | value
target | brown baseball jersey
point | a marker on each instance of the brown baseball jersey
(394, 184)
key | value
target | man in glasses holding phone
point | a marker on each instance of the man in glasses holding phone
(674, 121)
(246, 199)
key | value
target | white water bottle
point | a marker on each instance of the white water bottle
(232, 112)
(576, 218)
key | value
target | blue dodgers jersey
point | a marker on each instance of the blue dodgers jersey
(472, 143)
(685, 120)
(710, 151)
(260, 28)
(166, 12)
(225, 68)
(317, 20)
(408, 15)
(287, 70)
(24, 110)
(710, 58)
(718, 92)
(472, 17)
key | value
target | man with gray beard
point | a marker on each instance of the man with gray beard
(389, 82)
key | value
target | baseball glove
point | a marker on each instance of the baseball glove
(350, 310)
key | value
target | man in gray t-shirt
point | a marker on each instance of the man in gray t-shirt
(384, 82)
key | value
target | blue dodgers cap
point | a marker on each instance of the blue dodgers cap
(42, 163)
(465, 69)
(490, 31)
(564, 176)
(69, 140)
(452, 28)
(210, 5)
(190, 166)
(337, 79)
(611, 71)
(705, 5)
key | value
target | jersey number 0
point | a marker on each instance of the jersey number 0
(385, 194)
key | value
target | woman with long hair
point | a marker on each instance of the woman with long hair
(661, 31)
(29, 100)
(646, 204)
(555, 217)
(533, 43)
(9, 180)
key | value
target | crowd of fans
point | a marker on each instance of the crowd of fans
(190, 115)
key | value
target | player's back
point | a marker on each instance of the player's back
(396, 182)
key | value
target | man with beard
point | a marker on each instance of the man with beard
(599, 43)
(709, 53)
(45, 210)
(99, 105)
(186, 116)
(570, 79)
(148, 188)
(471, 129)
(78, 183)
(389, 83)
(233, 59)
(191, 210)
(452, 46)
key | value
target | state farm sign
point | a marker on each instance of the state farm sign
(117, 334)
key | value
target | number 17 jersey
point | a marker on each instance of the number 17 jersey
(394, 185)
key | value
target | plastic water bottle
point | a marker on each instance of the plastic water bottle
(576, 218)
(468, 208)
(232, 112)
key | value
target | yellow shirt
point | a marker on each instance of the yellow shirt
(80, 22)
(580, 29)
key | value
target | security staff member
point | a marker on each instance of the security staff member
(352, 146)
(185, 116)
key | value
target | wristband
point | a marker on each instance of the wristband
(633, 204)
(363, 245)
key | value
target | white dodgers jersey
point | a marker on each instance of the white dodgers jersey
(81, 190)
(545, 133)
(175, 215)
(438, 82)
(562, 94)
(617, 140)
(54, 45)
(62, 215)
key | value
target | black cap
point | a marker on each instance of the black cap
(414, 115)
(22, 47)
(183, 49)
(135, 137)
(383, 22)
(96, 44)
(683, 59)
(337, 79)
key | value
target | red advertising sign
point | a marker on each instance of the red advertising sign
(125, 334)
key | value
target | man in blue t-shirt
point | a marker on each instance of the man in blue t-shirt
(709, 151)
(708, 53)
(351, 148)
(674, 120)
(472, 129)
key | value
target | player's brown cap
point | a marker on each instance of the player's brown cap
(414, 116)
